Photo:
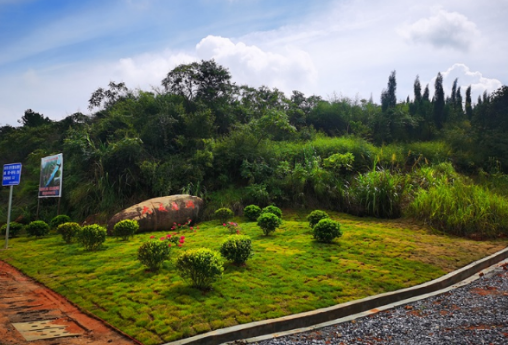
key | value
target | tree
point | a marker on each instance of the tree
(33, 119)
(417, 90)
(469, 107)
(109, 97)
(388, 97)
(426, 96)
(439, 102)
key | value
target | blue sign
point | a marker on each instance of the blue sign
(12, 174)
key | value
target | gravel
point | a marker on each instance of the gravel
(472, 314)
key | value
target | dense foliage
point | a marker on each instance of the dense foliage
(326, 230)
(153, 253)
(125, 228)
(252, 212)
(92, 236)
(268, 222)
(315, 216)
(37, 228)
(14, 229)
(60, 219)
(235, 145)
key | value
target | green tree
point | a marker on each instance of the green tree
(439, 102)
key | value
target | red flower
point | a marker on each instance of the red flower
(191, 228)
(223, 224)
(152, 236)
(197, 227)
(180, 245)
(169, 245)
(168, 236)
(182, 237)
(162, 238)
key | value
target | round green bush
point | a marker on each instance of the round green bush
(153, 253)
(223, 214)
(268, 222)
(125, 228)
(92, 236)
(315, 216)
(272, 209)
(60, 219)
(252, 212)
(14, 229)
(201, 266)
(326, 230)
(69, 231)
(37, 228)
(237, 249)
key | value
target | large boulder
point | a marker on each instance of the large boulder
(160, 213)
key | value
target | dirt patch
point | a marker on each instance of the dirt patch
(23, 300)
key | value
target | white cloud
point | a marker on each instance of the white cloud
(289, 69)
(466, 77)
(444, 30)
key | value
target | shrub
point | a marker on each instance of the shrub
(232, 227)
(377, 194)
(326, 230)
(315, 216)
(69, 231)
(201, 266)
(273, 210)
(252, 212)
(153, 253)
(92, 236)
(37, 228)
(223, 214)
(268, 222)
(237, 249)
(60, 219)
(14, 229)
(125, 228)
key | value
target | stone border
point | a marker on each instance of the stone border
(306, 319)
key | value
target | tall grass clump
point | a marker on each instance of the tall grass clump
(462, 209)
(376, 194)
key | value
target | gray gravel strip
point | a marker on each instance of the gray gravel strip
(472, 314)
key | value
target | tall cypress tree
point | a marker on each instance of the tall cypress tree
(454, 92)
(426, 96)
(417, 90)
(439, 102)
(469, 106)
(458, 99)
(388, 97)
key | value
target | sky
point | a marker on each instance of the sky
(55, 53)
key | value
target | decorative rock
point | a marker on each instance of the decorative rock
(161, 213)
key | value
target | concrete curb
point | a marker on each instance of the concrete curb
(302, 320)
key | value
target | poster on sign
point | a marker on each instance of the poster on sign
(50, 184)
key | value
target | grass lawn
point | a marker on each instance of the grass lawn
(289, 273)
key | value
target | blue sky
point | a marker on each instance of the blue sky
(55, 53)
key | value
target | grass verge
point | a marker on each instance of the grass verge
(289, 273)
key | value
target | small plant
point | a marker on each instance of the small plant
(315, 216)
(223, 214)
(153, 253)
(69, 231)
(232, 227)
(60, 219)
(237, 249)
(37, 228)
(269, 222)
(326, 230)
(272, 209)
(252, 212)
(14, 229)
(125, 228)
(201, 266)
(184, 226)
(92, 236)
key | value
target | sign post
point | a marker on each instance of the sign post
(11, 177)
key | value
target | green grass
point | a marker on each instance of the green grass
(289, 273)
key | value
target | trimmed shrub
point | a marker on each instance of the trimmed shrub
(69, 231)
(273, 210)
(37, 228)
(252, 212)
(237, 249)
(14, 229)
(153, 253)
(60, 219)
(223, 214)
(92, 236)
(201, 266)
(326, 230)
(268, 222)
(125, 228)
(315, 216)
